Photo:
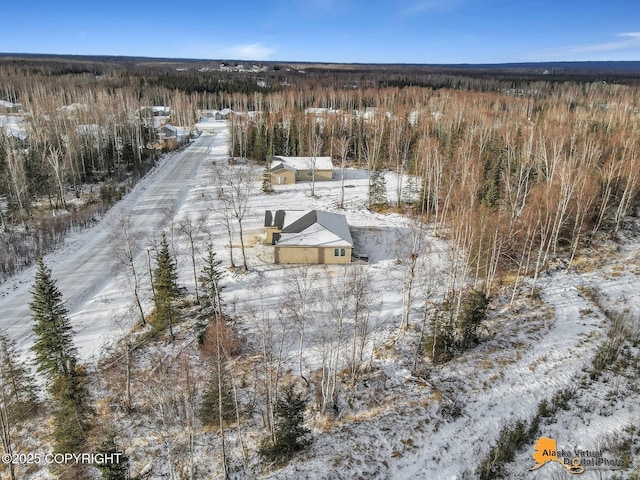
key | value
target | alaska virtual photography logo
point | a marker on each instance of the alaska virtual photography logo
(575, 461)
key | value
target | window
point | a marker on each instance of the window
(310, 173)
(336, 252)
(339, 252)
(297, 174)
(343, 252)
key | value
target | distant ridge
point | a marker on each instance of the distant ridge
(603, 66)
(630, 66)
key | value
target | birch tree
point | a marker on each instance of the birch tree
(127, 250)
(191, 230)
(301, 302)
(236, 185)
(341, 145)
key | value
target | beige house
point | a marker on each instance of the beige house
(296, 169)
(281, 174)
(315, 237)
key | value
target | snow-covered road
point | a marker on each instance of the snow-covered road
(89, 275)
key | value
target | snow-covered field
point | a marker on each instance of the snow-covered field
(394, 426)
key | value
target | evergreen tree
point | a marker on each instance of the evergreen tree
(53, 346)
(440, 345)
(71, 419)
(72, 412)
(17, 386)
(472, 313)
(56, 358)
(209, 279)
(267, 186)
(18, 400)
(291, 435)
(215, 395)
(116, 470)
(165, 286)
(378, 189)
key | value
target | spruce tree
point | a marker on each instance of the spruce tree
(71, 412)
(17, 385)
(267, 186)
(378, 189)
(472, 314)
(209, 279)
(53, 346)
(291, 435)
(71, 420)
(217, 401)
(113, 470)
(18, 399)
(56, 358)
(165, 286)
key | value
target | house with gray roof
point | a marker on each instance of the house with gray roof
(312, 237)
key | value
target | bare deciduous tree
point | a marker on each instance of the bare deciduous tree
(341, 144)
(191, 230)
(301, 301)
(127, 250)
(236, 184)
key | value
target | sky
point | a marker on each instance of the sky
(341, 31)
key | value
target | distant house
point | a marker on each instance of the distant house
(311, 237)
(223, 114)
(161, 111)
(296, 169)
(155, 115)
(171, 131)
(172, 136)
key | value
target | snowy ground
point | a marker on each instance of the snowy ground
(534, 351)
(397, 426)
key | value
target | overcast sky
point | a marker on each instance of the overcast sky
(367, 31)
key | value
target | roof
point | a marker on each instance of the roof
(306, 163)
(316, 229)
(178, 131)
(280, 166)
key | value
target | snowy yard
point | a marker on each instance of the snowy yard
(392, 425)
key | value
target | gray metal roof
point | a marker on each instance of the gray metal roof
(331, 222)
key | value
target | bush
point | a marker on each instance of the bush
(449, 334)
(440, 346)
(512, 438)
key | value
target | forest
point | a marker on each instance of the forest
(518, 174)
